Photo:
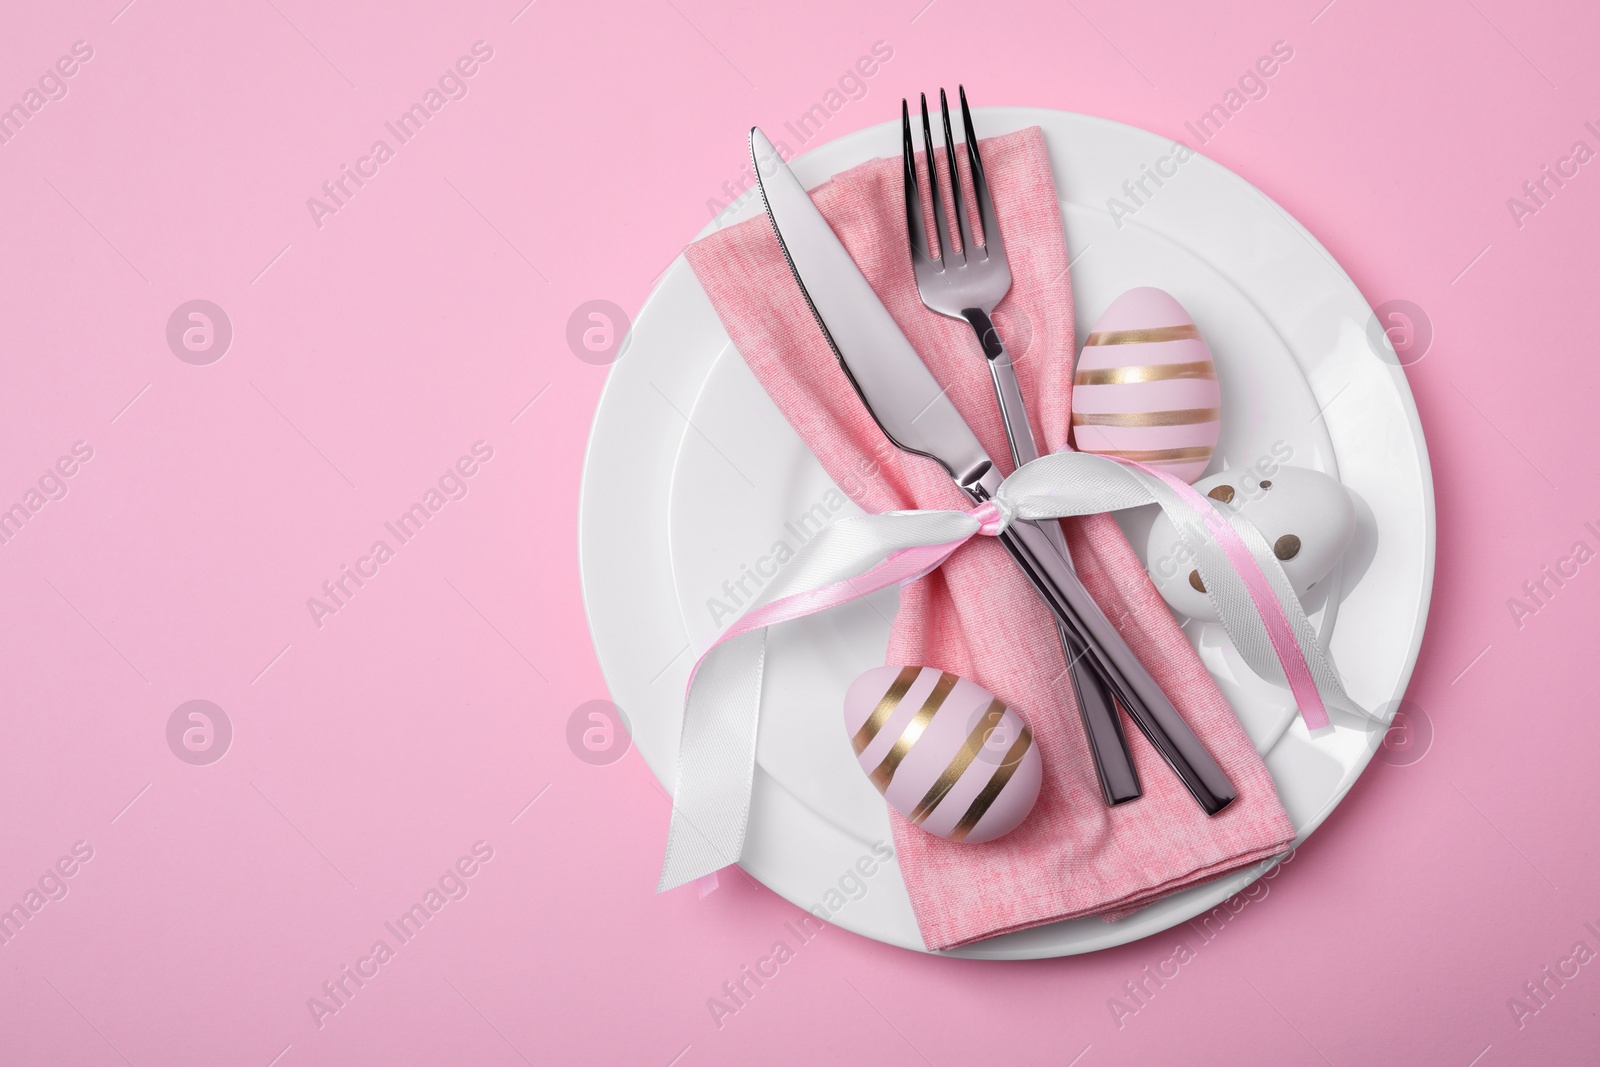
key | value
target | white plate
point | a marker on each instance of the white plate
(693, 475)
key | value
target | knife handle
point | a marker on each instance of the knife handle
(1115, 662)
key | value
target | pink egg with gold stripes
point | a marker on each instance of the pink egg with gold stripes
(1145, 387)
(946, 753)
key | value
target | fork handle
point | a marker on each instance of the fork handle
(1115, 663)
(1113, 761)
(1007, 390)
(1102, 725)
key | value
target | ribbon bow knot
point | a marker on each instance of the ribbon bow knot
(994, 516)
(855, 556)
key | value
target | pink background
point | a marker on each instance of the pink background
(370, 754)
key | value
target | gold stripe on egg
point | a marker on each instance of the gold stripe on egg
(1158, 455)
(1146, 372)
(1153, 335)
(1176, 417)
(913, 731)
(1008, 767)
(891, 699)
(958, 766)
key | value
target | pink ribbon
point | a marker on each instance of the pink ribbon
(909, 564)
(1279, 632)
(905, 565)
(717, 751)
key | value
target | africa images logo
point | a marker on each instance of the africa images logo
(452, 85)
(451, 886)
(51, 486)
(51, 86)
(453, 484)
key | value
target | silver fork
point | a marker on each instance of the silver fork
(968, 285)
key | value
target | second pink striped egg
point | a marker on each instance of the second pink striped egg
(944, 752)
(1145, 387)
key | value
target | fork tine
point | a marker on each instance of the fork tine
(933, 187)
(916, 227)
(992, 244)
(963, 224)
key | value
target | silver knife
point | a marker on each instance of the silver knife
(918, 417)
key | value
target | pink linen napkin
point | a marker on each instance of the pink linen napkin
(977, 616)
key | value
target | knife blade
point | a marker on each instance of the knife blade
(916, 414)
(904, 399)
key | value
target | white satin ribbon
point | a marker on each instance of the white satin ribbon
(853, 557)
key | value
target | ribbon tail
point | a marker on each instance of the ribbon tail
(1234, 563)
(716, 761)
(1324, 677)
(722, 710)
(1243, 579)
